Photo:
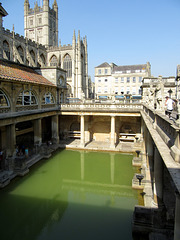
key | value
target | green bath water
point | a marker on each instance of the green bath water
(74, 195)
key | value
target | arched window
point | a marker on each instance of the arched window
(67, 65)
(48, 98)
(6, 49)
(53, 61)
(21, 52)
(32, 55)
(43, 58)
(26, 98)
(3, 100)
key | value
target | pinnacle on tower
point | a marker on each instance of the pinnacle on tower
(55, 3)
(74, 36)
(78, 35)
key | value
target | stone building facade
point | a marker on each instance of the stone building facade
(39, 48)
(112, 81)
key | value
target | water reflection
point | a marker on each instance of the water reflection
(73, 195)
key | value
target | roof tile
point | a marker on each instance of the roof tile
(15, 72)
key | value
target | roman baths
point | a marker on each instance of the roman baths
(96, 165)
(76, 167)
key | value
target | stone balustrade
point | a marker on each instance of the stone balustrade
(101, 107)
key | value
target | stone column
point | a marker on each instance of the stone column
(37, 132)
(55, 129)
(11, 140)
(149, 151)
(82, 132)
(177, 218)
(112, 132)
(158, 175)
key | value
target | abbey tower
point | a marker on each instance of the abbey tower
(41, 23)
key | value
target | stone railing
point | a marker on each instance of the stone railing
(4, 109)
(167, 129)
(101, 107)
(26, 108)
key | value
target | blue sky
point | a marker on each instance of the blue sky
(121, 31)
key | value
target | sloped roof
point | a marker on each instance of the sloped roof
(132, 68)
(20, 73)
(3, 11)
(105, 64)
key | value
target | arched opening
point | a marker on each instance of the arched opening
(3, 100)
(48, 98)
(6, 50)
(21, 52)
(26, 98)
(67, 65)
(53, 61)
(33, 55)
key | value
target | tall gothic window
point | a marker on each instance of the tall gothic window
(26, 98)
(21, 52)
(6, 49)
(3, 99)
(53, 61)
(67, 65)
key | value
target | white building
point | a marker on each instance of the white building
(112, 81)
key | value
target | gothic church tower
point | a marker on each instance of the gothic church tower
(41, 23)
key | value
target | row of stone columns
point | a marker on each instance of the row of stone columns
(37, 128)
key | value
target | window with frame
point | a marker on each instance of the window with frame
(116, 90)
(67, 65)
(31, 21)
(26, 98)
(48, 98)
(99, 89)
(105, 80)
(134, 90)
(53, 61)
(122, 79)
(128, 90)
(122, 90)
(3, 100)
(140, 79)
(105, 89)
(105, 71)
(99, 71)
(99, 80)
(134, 79)
(116, 80)
(128, 79)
